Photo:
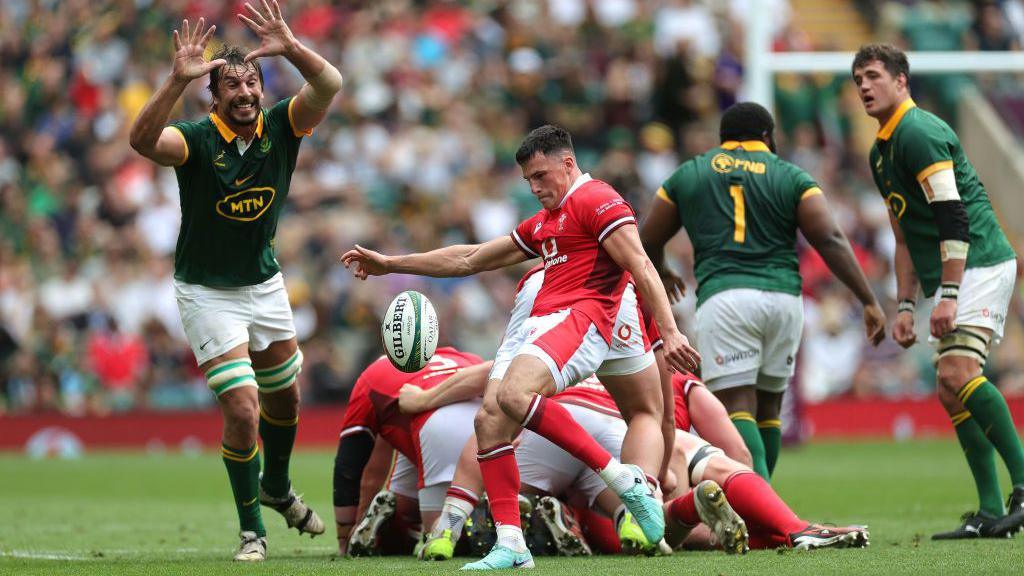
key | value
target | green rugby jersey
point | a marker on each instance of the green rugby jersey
(738, 203)
(911, 146)
(230, 202)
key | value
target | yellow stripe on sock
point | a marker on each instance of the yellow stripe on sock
(281, 422)
(742, 416)
(236, 456)
(960, 417)
(970, 387)
(773, 423)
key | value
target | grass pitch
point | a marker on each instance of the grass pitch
(134, 513)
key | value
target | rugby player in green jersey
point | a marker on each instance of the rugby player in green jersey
(741, 206)
(949, 243)
(234, 168)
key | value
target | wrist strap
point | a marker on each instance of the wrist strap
(906, 305)
(949, 291)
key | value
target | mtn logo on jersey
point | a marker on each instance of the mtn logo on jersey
(724, 164)
(247, 205)
(549, 249)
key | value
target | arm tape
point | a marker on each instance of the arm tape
(941, 186)
(353, 454)
(951, 220)
(323, 87)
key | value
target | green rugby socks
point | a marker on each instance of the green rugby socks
(771, 436)
(278, 439)
(989, 408)
(244, 472)
(747, 427)
(981, 459)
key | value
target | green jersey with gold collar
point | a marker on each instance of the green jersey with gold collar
(738, 203)
(231, 201)
(911, 146)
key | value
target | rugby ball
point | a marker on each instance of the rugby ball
(409, 331)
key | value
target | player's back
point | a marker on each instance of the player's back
(373, 404)
(738, 203)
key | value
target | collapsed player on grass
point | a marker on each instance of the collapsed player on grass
(948, 243)
(586, 234)
(431, 440)
(234, 170)
(742, 206)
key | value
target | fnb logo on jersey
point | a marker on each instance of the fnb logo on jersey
(551, 257)
(723, 164)
(247, 205)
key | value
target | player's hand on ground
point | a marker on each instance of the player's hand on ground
(412, 399)
(674, 286)
(874, 324)
(364, 262)
(943, 319)
(903, 330)
(275, 36)
(189, 46)
(679, 355)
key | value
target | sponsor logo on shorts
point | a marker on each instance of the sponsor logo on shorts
(625, 331)
(735, 357)
(987, 313)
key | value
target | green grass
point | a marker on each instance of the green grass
(143, 514)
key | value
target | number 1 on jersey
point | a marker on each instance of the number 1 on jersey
(739, 233)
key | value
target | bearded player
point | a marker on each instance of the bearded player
(948, 243)
(587, 236)
(742, 207)
(234, 169)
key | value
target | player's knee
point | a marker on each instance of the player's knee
(514, 403)
(952, 376)
(241, 417)
(281, 377)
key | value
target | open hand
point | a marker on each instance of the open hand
(189, 46)
(366, 262)
(680, 356)
(275, 36)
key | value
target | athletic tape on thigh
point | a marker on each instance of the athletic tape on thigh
(699, 462)
(230, 374)
(281, 376)
(965, 341)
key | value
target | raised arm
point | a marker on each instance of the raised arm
(624, 246)
(464, 385)
(150, 136)
(447, 262)
(820, 228)
(660, 225)
(323, 80)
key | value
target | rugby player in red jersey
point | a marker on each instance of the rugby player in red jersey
(373, 410)
(587, 236)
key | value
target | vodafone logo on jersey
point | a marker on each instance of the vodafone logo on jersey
(549, 249)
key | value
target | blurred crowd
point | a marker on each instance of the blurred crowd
(418, 152)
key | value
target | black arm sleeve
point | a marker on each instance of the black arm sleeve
(353, 454)
(951, 220)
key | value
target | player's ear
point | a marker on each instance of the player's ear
(569, 162)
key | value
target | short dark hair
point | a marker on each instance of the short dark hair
(546, 139)
(892, 58)
(235, 55)
(746, 121)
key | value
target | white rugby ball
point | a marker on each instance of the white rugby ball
(409, 331)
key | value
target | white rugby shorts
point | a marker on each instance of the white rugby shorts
(984, 298)
(747, 330)
(219, 319)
